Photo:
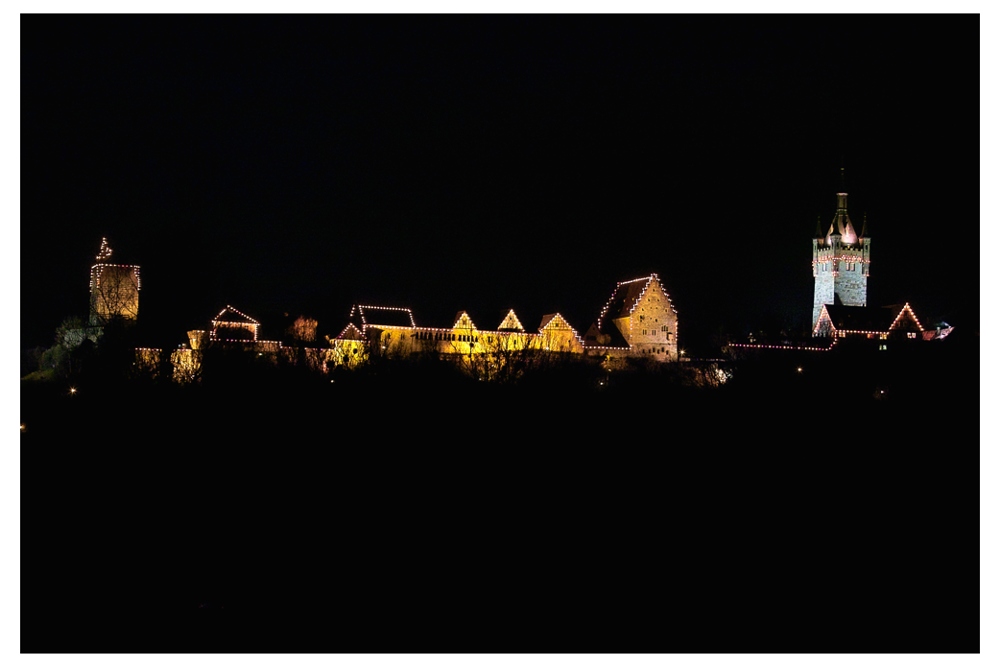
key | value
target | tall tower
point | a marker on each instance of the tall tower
(114, 289)
(840, 262)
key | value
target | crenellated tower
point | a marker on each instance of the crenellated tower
(114, 289)
(841, 258)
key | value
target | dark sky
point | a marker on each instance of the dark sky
(299, 164)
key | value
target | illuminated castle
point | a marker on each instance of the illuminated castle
(638, 320)
(840, 263)
(638, 317)
(114, 289)
(841, 259)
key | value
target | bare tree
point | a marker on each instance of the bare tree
(303, 330)
(502, 357)
(114, 293)
(187, 366)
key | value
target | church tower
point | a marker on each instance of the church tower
(840, 262)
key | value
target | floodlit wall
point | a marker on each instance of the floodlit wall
(114, 293)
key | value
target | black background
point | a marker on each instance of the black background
(295, 165)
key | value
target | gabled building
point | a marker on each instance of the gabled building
(230, 326)
(896, 322)
(391, 330)
(638, 320)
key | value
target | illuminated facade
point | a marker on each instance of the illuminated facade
(840, 263)
(638, 319)
(841, 259)
(231, 326)
(114, 289)
(393, 331)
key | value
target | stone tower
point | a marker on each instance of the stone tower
(114, 289)
(840, 262)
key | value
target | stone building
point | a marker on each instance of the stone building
(841, 258)
(638, 320)
(114, 289)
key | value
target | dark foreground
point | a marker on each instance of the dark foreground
(782, 512)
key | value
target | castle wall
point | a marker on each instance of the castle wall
(851, 283)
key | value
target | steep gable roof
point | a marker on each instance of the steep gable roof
(463, 321)
(350, 332)
(554, 321)
(625, 297)
(510, 322)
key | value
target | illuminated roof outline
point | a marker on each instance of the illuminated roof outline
(625, 297)
(230, 315)
(374, 316)
(869, 319)
(510, 322)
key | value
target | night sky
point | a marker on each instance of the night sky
(295, 165)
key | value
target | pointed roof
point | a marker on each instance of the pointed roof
(554, 321)
(231, 315)
(625, 297)
(350, 332)
(463, 321)
(841, 224)
(510, 322)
